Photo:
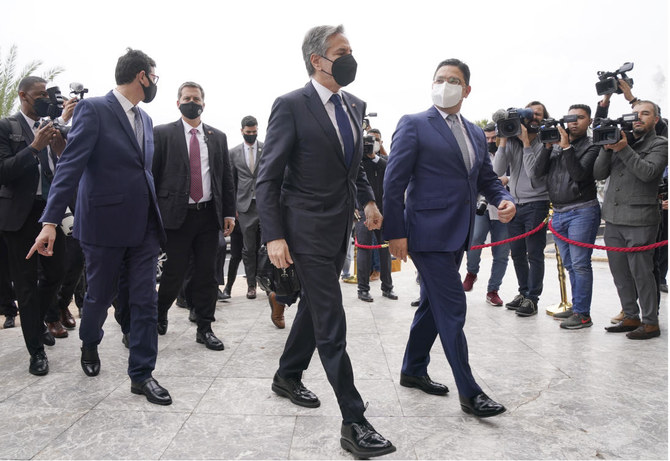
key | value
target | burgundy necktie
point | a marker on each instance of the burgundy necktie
(196, 172)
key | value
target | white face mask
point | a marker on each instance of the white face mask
(377, 147)
(446, 95)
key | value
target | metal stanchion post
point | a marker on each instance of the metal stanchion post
(564, 304)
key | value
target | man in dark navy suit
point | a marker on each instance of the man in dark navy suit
(437, 165)
(109, 155)
(308, 181)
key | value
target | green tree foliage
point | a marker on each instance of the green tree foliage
(481, 123)
(10, 78)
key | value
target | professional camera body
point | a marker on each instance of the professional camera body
(549, 134)
(77, 90)
(607, 131)
(663, 189)
(368, 144)
(508, 122)
(608, 82)
(56, 101)
(482, 203)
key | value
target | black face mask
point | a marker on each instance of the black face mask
(250, 138)
(149, 91)
(492, 148)
(190, 110)
(41, 106)
(344, 69)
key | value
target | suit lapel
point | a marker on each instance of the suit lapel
(179, 140)
(27, 130)
(211, 150)
(125, 123)
(317, 109)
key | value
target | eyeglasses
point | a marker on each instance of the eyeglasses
(449, 80)
(154, 78)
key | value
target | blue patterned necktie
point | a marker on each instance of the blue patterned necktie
(344, 126)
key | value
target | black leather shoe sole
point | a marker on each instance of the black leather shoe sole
(289, 395)
(364, 453)
(404, 382)
(215, 346)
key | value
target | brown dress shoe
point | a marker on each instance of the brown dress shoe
(67, 319)
(277, 314)
(617, 318)
(374, 275)
(56, 329)
(627, 324)
(644, 331)
(251, 293)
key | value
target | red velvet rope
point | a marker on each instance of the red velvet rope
(537, 229)
(600, 247)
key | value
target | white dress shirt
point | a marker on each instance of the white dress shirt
(31, 124)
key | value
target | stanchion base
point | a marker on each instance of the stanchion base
(556, 308)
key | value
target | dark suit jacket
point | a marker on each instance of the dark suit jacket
(425, 160)
(116, 187)
(19, 175)
(243, 178)
(172, 173)
(304, 192)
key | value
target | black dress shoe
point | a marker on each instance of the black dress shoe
(390, 295)
(209, 340)
(9, 322)
(222, 295)
(125, 340)
(225, 294)
(365, 296)
(90, 361)
(192, 316)
(415, 303)
(481, 405)
(47, 338)
(423, 383)
(627, 324)
(251, 293)
(295, 391)
(162, 326)
(363, 441)
(39, 365)
(181, 302)
(154, 392)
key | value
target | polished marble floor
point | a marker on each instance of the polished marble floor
(583, 394)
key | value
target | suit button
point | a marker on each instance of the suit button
(616, 204)
(617, 189)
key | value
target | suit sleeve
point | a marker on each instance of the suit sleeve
(13, 166)
(279, 143)
(227, 185)
(489, 185)
(404, 151)
(81, 142)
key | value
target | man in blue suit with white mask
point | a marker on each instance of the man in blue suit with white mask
(117, 221)
(439, 162)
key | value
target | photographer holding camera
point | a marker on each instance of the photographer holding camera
(567, 167)
(375, 168)
(29, 151)
(519, 154)
(631, 213)
(487, 221)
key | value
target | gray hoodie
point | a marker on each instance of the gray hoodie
(521, 162)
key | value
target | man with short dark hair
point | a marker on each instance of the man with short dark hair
(634, 167)
(518, 155)
(28, 155)
(108, 156)
(244, 159)
(567, 166)
(308, 181)
(438, 163)
(196, 201)
(488, 223)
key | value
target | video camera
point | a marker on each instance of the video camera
(548, 131)
(608, 82)
(55, 110)
(482, 204)
(607, 131)
(368, 144)
(366, 120)
(508, 122)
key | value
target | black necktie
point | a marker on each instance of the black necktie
(344, 126)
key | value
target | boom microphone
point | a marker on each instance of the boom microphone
(498, 115)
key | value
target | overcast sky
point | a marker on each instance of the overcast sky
(246, 53)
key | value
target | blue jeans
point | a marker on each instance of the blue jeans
(528, 253)
(579, 225)
(498, 230)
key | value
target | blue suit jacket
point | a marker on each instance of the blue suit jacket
(305, 193)
(116, 190)
(426, 162)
